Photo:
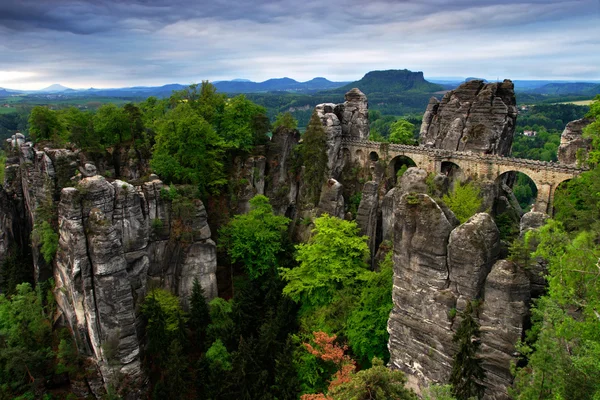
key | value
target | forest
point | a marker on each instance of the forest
(301, 320)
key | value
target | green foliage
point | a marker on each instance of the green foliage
(221, 321)
(577, 202)
(438, 392)
(111, 124)
(238, 123)
(464, 200)
(354, 203)
(255, 239)
(467, 373)
(592, 131)
(16, 268)
(286, 120)
(401, 132)
(218, 356)
(199, 314)
(332, 259)
(402, 170)
(45, 125)
(44, 235)
(376, 383)
(80, 127)
(25, 334)
(314, 154)
(367, 323)
(188, 150)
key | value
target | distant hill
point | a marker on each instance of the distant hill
(393, 81)
(578, 88)
(55, 89)
(276, 85)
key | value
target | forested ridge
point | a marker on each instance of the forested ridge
(300, 320)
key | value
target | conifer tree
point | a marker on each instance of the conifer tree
(199, 314)
(467, 373)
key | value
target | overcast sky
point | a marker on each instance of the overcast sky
(113, 43)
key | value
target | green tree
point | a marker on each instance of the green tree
(199, 314)
(239, 121)
(188, 150)
(80, 128)
(286, 120)
(203, 99)
(45, 125)
(135, 121)
(401, 132)
(111, 125)
(464, 200)
(25, 336)
(332, 259)
(314, 155)
(366, 329)
(256, 239)
(375, 383)
(467, 373)
(592, 131)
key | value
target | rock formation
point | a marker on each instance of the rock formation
(573, 146)
(114, 238)
(504, 311)
(438, 267)
(476, 116)
(349, 119)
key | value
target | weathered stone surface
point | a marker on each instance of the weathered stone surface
(281, 185)
(572, 142)
(387, 215)
(502, 322)
(332, 200)
(475, 116)
(354, 115)
(113, 238)
(349, 119)
(472, 250)
(249, 180)
(413, 181)
(420, 331)
(367, 214)
(537, 267)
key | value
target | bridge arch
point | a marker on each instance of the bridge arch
(452, 170)
(373, 156)
(396, 164)
(524, 188)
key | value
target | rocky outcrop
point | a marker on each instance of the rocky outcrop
(420, 330)
(248, 181)
(574, 147)
(281, 184)
(537, 269)
(476, 116)
(349, 119)
(332, 201)
(114, 238)
(473, 248)
(502, 322)
(368, 213)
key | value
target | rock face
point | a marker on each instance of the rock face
(349, 119)
(438, 268)
(476, 116)
(281, 183)
(506, 307)
(114, 238)
(368, 213)
(420, 330)
(572, 142)
(332, 201)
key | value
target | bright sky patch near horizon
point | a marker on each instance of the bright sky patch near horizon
(113, 43)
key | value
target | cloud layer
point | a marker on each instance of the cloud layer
(111, 43)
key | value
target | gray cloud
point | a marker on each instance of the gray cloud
(115, 43)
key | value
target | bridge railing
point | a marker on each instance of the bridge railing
(464, 155)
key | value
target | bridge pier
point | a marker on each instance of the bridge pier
(543, 203)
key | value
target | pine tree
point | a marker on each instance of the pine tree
(314, 154)
(199, 315)
(467, 373)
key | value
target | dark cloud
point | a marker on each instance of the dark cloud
(116, 43)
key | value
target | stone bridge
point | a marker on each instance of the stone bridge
(546, 175)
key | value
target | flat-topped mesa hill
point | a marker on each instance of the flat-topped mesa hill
(392, 81)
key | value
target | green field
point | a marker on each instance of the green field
(7, 110)
(579, 102)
